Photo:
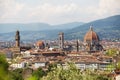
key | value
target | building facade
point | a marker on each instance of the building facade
(17, 39)
(91, 41)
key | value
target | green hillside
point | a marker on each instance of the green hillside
(107, 28)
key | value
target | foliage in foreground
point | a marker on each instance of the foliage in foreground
(61, 73)
(3, 68)
(72, 73)
(112, 52)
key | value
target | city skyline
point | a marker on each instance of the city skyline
(59, 40)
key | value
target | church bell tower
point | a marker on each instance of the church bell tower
(61, 40)
(17, 39)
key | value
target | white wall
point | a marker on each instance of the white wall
(18, 65)
(118, 77)
(39, 64)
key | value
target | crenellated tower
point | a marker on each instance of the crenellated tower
(17, 39)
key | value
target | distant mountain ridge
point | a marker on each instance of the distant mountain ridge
(10, 27)
(107, 28)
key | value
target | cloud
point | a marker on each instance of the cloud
(10, 10)
(54, 13)
(57, 14)
(49, 12)
(108, 7)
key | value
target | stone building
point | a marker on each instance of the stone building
(17, 47)
(91, 41)
(61, 40)
(40, 45)
(17, 39)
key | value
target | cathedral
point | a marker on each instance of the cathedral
(91, 41)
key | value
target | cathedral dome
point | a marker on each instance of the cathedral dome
(91, 36)
(40, 44)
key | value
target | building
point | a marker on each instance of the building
(61, 40)
(20, 64)
(40, 45)
(40, 56)
(91, 41)
(16, 49)
(17, 39)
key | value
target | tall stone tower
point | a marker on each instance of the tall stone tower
(77, 45)
(17, 39)
(61, 40)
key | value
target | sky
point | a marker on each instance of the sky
(56, 11)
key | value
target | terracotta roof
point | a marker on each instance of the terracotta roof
(40, 43)
(91, 35)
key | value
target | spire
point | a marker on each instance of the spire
(91, 29)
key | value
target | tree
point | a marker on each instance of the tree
(111, 52)
(17, 74)
(51, 66)
(70, 72)
(118, 65)
(100, 77)
(62, 73)
(3, 68)
(39, 73)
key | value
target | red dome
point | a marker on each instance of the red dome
(40, 43)
(91, 36)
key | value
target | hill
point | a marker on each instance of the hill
(107, 28)
(10, 27)
(34, 30)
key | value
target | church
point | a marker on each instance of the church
(91, 41)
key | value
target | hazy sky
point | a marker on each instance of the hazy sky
(56, 11)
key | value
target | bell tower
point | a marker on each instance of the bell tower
(77, 45)
(61, 40)
(17, 39)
